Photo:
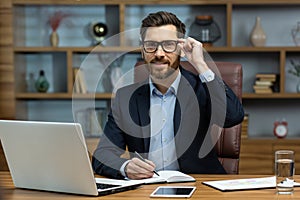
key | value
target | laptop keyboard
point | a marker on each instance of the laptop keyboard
(105, 186)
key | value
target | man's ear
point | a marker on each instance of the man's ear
(142, 54)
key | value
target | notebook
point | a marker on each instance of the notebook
(167, 176)
(53, 156)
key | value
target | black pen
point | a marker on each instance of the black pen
(143, 159)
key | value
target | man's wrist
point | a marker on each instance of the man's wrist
(123, 168)
(207, 76)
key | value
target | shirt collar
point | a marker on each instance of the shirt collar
(174, 86)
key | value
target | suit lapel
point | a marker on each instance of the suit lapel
(186, 116)
(143, 105)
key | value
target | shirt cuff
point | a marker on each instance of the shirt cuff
(207, 76)
(122, 169)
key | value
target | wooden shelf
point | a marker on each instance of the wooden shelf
(271, 96)
(67, 96)
(137, 49)
(109, 96)
(76, 49)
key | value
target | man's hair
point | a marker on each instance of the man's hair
(162, 18)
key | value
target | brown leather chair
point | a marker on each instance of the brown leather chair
(228, 145)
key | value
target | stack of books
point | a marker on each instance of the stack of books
(245, 126)
(265, 83)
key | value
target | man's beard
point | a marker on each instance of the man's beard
(159, 74)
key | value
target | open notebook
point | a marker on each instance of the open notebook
(167, 176)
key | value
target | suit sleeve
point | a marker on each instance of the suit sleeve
(106, 159)
(226, 108)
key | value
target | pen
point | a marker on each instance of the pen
(143, 159)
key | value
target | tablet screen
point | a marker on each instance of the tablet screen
(173, 191)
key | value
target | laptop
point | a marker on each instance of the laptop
(52, 156)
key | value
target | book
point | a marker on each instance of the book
(261, 87)
(76, 81)
(82, 82)
(79, 81)
(166, 176)
(244, 184)
(265, 83)
(266, 76)
(245, 122)
(170, 176)
(263, 91)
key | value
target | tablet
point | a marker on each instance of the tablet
(173, 191)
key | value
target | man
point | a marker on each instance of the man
(168, 117)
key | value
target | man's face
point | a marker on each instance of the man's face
(162, 63)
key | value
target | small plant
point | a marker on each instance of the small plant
(56, 18)
(296, 69)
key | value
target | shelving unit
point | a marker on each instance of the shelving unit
(235, 17)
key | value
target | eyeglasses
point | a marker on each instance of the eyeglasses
(168, 46)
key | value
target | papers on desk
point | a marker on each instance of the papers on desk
(244, 184)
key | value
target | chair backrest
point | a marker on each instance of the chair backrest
(228, 145)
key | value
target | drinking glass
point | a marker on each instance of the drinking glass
(284, 171)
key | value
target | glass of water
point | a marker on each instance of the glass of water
(284, 171)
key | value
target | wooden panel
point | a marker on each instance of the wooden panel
(3, 163)
(7, 106)
(7, 98)
(257, 155)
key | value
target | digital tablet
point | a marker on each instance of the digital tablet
(173, 191)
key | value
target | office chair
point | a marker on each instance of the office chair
(228, 145)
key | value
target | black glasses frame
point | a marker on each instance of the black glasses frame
(162, 43)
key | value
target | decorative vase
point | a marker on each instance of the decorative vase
(205, 29)
(54, 39)
(258, 36)
(296, 34)
(31, 83)
(42, 84)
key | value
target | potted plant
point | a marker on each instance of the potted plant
(295, 70)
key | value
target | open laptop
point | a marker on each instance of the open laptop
(53, 156)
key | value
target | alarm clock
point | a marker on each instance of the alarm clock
(280, 129)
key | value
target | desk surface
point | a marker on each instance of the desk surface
(202, 191)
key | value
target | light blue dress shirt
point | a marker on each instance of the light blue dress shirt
(162, 149)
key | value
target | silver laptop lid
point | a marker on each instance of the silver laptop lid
(48, 156)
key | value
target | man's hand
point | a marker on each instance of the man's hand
(193, 51)
(138, 169)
